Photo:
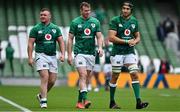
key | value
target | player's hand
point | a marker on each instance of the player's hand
(61, 58)
(132, 42)
(70, 60)
(31, 62)
(100, 51)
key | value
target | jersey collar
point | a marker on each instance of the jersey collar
(125, 18)
(85, 19)
(44, 24)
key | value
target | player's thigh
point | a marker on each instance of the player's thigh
(53, 65)
(107, 68)
(117, 63)
(82, 72)
(80, 61)
(97, 68)
(41, 62)
(90, 61)
(130, 59)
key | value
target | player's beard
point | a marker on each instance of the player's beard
(45, 21)
(86, 16)
(126, 15)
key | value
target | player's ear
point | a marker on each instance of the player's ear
(50, 16)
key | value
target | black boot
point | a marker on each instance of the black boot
(140, 104)
(113, 105)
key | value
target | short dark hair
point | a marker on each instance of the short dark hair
(45, 9)
(128, 3)
(84, 4)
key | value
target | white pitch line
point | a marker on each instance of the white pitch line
(14, 104)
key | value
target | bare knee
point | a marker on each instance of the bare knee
(134, 76)
(114, 78)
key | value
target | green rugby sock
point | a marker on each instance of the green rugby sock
(136, 88)
(80, 97)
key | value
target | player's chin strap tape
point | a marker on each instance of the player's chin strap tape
(133, 68)
(116, 69)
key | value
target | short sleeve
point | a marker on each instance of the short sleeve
(33, 33)
(136, 26)
(72, 28)
(112, 25)
(98, 27)
(58, 32)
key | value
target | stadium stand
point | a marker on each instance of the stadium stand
(146, 40)
(3, 23)
(27, 7)
(18, 16)
(56, 13)
(64, 8)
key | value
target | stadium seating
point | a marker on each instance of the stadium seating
(146, 40)
(28, 13)
(3, 23)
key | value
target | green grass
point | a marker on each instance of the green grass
(64, 99)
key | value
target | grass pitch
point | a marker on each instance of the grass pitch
(65, 98)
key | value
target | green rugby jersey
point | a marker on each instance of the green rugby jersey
(125, 30)
(84, 32)
(46, 36)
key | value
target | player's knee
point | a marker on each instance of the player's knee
(133, 69)
(83, 75)
(134, 76)
(108, 74)
(115, 75)
(114, 78)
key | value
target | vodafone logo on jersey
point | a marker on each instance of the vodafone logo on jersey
(87, 31)
(127, 32)
(48, 36)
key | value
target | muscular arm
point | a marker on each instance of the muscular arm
(61, 47)
(30, 50)
(113, 38)
(30, 47)
(137, 37)
(99, 42)
(69, 48)
(99, 39)
(70, 44)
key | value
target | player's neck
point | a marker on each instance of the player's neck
(126, 17)
(46, 23)
(85, 18)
